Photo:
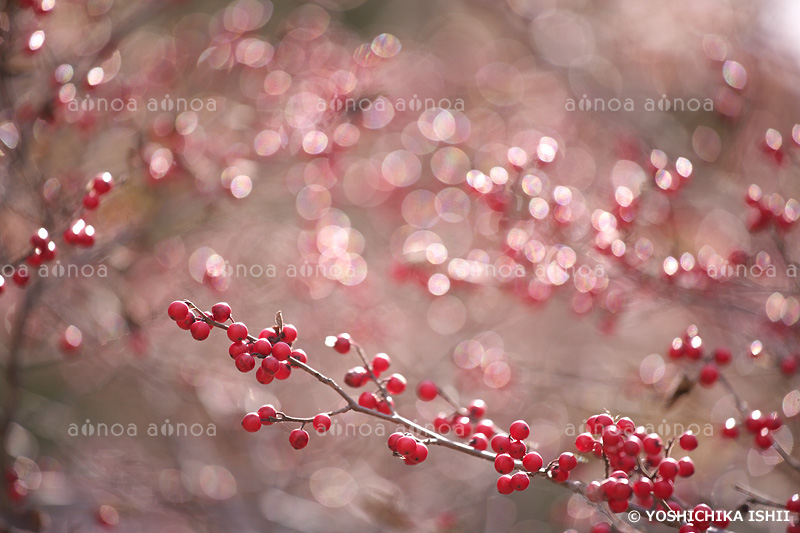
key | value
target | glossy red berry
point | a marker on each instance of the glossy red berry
(532, 462)
(668, 468)
(517, 449)
(265, 412)
(427, 390)
(723, 356)
(264, 377)
(567, 461)
(504, 485)
(186, 322)
(281, 351)
(479, 441)
(500, 443)
(102, 183)
(271, 365)
(406, 445)
(200, 330)
(504, 463)
(289, 333)
(40, 238)
(21, 276)
(368, 400)
(262, 347)
(321, 423)
(730, 429)
(396, 384)
(708, 375)
(342, 343)
(356, 377)
(688, 441)
(90, 201)
(486, 427)
(178, 310)
(652, 444)
(764, 439)
(476, 409)
(461, 427)
(663, 489)
(220, 312)
(284, 370)
(643, 488)
(245, 362)
(520, 481)
(519, 430)
(251, 422)
(442, 424)
(300, 356)
(380, 363)
(298, 438)
(237, 332)
(601, 421)
(558, 475)
(793, 504)
(392, 442)
(685, 467)
(601, 527)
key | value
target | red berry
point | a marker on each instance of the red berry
(793, 505)
(652, 444)
(517, 449)
(558, 475)
(420, 454)
(723, 356)
(500, 443)
(688, 441)
(178, 310)
(773, 421)
(245, 362)
(594, 493)
(519, 430)
(186, 322)
(406, 445)
(601, 421)
(102, 183)
(476, 409)
(356, 377)
(90, 201)
(298, 438)
(368, 400)
(284, 370)
(265, 412)
(392, 442)
(618, 506)
(322, 423)
(632, 446)
(520, 481)
(755, 422)
(612, 436)
(271, 365)
(461, 427)
(668, 468)
(427, 390)
(626, 426)
(269, 334)
(532, 462)
(479, 441)
(730, 429)
(251, 422)
(503, 463)
(220, 312)
(40, 238)
(237, 332)
(643, 488)
(261, 346)
(300, 356)
(264, 377)
(342, 344)
(663, 489)
(289, 333)
(788, 366)
(200, 330)
(504, 485)
(237, 348)
(764, 439)
(685, 467)
(486, 427)
(396, 384)
(380, 363)
(281, 351)
(441, 424)
(708, 375)
(21, 276)
(601, 527)
(567, 461)
(688, 528)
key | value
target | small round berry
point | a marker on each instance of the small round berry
(567, 461)
(322, 423)
(594, 493)
(504, 485)
(186, 323)
(380, 363)
(632, 445)
(622, 490)
(300, 356)
(442, 424)
(244, 362)
(462, 427)
(500, 443)
(298, 438)
(755, 422)
(265, 412)
(517, 449)
(281, 351)
(532, 462)
(220, 312)
(520, 481)
(342, 344)
(519, 430)
(406, 445)
(688, 528)
(723, 356)
(102, 183)
(21, 276)
(626, 426)
(479, 441)
(284, 370)
(396, 384)
(356, 377)
(486, 427)
(178, 310)
(40, 238)
(476, 409)
(618, 506)
(237, 332)
(668, 468)
(271, 365)
(602, 420)
(90, 201)
(368, 400)
(643, 488)
(730, 429)
(251, 422)
(685, 467)
(601, 527)
(773, 421)
(793, 505)
(558, 475)
(764, 439)
(262, 347)
(652, 444)
(708, 375)
(393, 438)
(200, 330)
(237, 348)
(269, 334)
(264, 377)
(289, 333)
(419, 455)
(663, 489)
(612, 436)
(427, 390)
(688, 441)
(504, 463)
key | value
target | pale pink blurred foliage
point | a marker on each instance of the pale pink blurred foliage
(361, 166)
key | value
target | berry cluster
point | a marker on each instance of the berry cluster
(758, 424)
(689, 347)
(408, 447)
(770, 210)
